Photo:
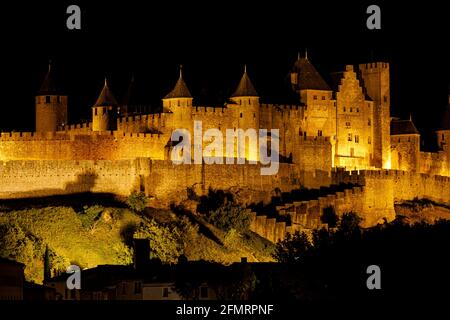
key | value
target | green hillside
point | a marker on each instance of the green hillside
(95, 234)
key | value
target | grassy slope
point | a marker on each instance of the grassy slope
(62, 230)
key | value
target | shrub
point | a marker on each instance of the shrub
(292, 248)
(90, 216)
(230, 216)
(165, 242)
(137, 201)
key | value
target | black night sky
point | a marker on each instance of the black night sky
(213, 40)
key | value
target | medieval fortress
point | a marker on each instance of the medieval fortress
(339, 132)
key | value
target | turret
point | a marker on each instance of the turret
(405, 145)
(308, 83)
(179, 102)
(246, 105)
(104, 111)
(245, 93)
(180, 96)
(51, 105)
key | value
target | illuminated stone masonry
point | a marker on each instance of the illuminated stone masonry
(332, 129)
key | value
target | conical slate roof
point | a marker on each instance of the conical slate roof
(403, 127)
(106, 97)
(180, 90)
(308, 76)
(48, 86)
(245, 87)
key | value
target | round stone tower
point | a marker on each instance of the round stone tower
(51, 106)
(179, 103)
(104, 111)
(247, 110)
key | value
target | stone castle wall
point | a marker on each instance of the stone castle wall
(435, 163)
(23, 178)
(163, 181)
(73, 146)
(404, 185)
(373, 200)
(304, 215)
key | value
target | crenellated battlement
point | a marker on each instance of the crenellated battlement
(143, 117)
(71, 136)
(284, 107)
(210, 109)
(340, 175)
(306, 215)
(374, 66)
(78, 126)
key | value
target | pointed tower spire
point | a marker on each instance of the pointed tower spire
(306, 53)
(48, 86)
(298, 55)
(307, 76)
(245, 87)
(106, 98)
(180, 90)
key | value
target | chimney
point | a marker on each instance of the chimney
(244, 260)
(141, 255)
